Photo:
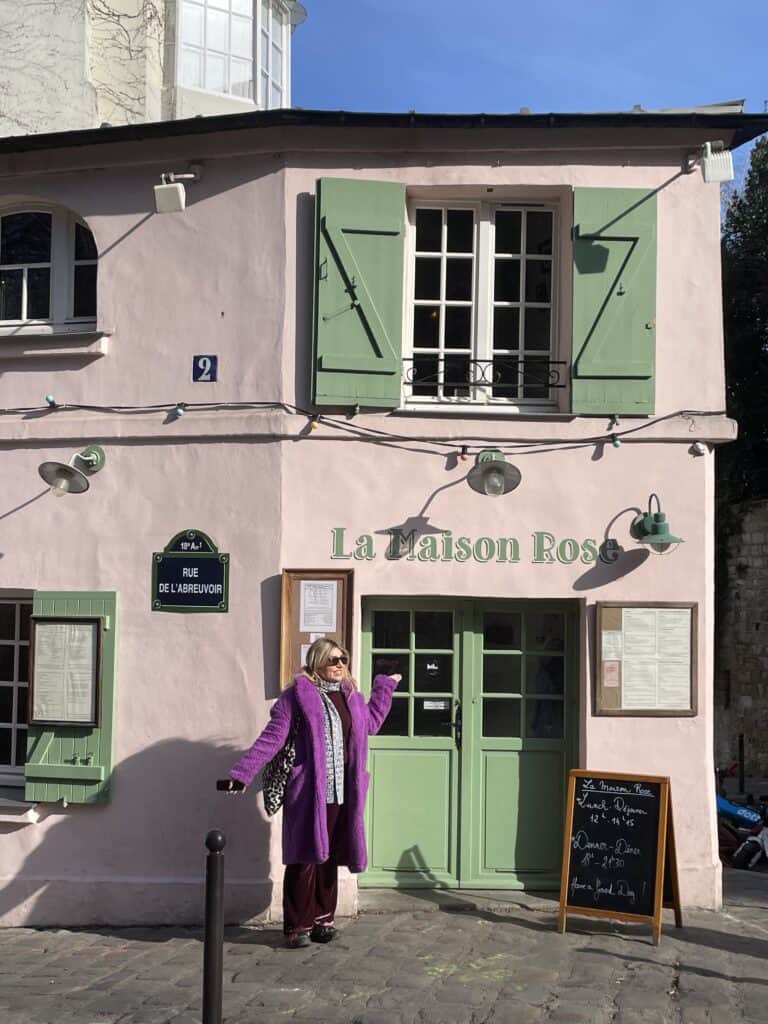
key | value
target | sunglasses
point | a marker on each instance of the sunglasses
(340, 659)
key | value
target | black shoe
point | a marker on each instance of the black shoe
(323, 933)
(298, 940)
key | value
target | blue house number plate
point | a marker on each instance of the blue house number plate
(205, 368)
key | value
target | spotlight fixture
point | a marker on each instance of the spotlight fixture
(716, 162)
(170, 194)
(492, 474)
(72, 477)
(653, 528)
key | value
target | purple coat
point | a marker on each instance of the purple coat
(305, 828)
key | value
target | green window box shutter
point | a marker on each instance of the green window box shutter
(73, 764)
(614, 301)
(358, 315)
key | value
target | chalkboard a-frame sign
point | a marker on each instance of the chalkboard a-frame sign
(619, 849)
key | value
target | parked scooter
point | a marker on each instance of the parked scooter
(735, 824)
(754, 848)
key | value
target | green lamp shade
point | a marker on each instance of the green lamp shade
(654, 529)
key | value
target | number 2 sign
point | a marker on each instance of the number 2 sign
(205, 369)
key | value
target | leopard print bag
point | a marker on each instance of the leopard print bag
(274, 778)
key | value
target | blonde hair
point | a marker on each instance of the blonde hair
(318, 656)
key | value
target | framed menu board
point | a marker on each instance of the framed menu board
(315, 603)
(65, 675)
(646, 659)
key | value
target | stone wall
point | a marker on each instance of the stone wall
(741, 683)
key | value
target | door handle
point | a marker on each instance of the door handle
(457, 725)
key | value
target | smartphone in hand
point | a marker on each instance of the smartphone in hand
(230, 785)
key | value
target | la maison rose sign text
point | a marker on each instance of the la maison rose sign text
(541, 547)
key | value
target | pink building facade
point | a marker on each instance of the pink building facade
(387, 298)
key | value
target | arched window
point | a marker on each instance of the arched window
(48, 267)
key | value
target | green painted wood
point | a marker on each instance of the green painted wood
(56, 755)
(358, 313)
(505, 830)
(614, 301)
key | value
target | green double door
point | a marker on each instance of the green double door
(468, 773)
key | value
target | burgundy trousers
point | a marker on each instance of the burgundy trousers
(310, 891)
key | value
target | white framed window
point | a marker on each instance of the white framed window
(48, 270)
(236, 48)
(481, 317)
(15, 616)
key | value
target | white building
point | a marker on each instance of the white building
(73, 64)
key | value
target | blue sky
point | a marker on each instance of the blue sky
(548, 55)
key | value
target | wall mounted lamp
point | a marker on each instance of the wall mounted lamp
(716, 162)
(297, 13)
(170, 194)
(492, 474)
(72, 477)
(652, 527)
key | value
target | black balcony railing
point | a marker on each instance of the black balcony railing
(457, 376)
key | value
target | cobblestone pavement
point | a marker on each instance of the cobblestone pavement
(422, 965)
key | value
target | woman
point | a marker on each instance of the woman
(326, 790)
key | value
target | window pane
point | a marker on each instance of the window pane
(5, 745)
(25, 615)
(458, 280)
(24, 665)
(507, 281)
(192, 24)
(242, 37)
(275, 97)
(432, 717)
(433, 673)
(191, 68)
(38, 293)
(10, 294)
(85, 247)
(458, 327)
(536, 378)
(506, 376)
(241, 72)
(429, 227)
(545, 631)
(85, 290)
(544, 719)
(537, 329)
(7, 621)
(25, 238)
(277, 25)
(433, 630)
(457, 374)
(461, 232)
(243, 7)
(426, 326)
(506, 327)
(538, 233)
(427, 278)
(21, 747)
(425, 375)
(390, 665)
(21, 701)
(215, 72)
(391, 629)
(538, 281)
(6, 704)
(544, 674)
(507, 231)
(224, 4)
(276, 67)
(501, 717)
(501, 673)
(265, 90)
(502, 631)
(6, 663)
(396, 722)
(265, 51)
(217, 29)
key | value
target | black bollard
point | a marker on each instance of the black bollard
(213, 954)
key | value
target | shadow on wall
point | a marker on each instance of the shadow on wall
(141, 858)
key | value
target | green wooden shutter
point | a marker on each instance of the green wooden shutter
(74, 763)
(358, 316)
(614, 300)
